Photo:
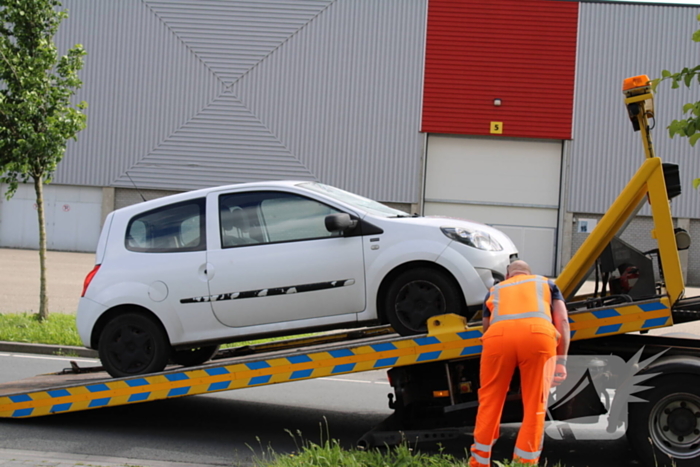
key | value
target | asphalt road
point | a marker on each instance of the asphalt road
(236, 427)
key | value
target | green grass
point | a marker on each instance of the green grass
(329, 453)
(58, 329)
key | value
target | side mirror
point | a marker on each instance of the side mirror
(340, 222)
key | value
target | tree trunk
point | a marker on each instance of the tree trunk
(43, 296)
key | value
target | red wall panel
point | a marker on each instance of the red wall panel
(520, 51)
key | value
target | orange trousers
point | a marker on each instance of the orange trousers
(530, 345)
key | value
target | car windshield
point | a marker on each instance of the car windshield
(352, 199)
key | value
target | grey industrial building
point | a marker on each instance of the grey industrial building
(186, 94)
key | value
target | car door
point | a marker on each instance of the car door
(165, 251)
(275, 262)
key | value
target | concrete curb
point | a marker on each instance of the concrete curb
(47, 349)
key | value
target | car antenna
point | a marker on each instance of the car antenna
(137, 188)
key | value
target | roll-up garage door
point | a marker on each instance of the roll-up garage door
(512, 185)
(73, 216)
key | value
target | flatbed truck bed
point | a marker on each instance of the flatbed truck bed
(83, 389)
(450, 337)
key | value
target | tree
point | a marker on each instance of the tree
(689, 127)
(37, 117)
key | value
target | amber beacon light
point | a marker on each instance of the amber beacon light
(636, 85)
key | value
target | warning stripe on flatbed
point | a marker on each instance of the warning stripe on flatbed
(95, 391)
(448, 339)
(620, 319)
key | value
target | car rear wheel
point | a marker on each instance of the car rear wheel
(418, 294)
(133, 344)
(192, 357)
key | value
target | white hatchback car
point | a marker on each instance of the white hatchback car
(177, 276)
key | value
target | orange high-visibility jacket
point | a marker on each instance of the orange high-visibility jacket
(521, 296)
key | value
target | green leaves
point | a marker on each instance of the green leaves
(37, 115)
(694, 139)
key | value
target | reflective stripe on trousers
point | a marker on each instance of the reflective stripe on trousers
(480, 454)
(526, 457)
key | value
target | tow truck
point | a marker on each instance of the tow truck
(435, 376)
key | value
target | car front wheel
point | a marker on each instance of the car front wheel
(133, 344)
(418, 294)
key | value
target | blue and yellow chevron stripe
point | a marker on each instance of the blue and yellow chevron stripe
(448, 339)
(620, 319)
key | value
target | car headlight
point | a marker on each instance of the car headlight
(473, 238)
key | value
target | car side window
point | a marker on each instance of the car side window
(175, 228)
(271, 217)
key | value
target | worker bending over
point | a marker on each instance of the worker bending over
(526, 326)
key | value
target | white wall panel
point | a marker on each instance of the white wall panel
(510, 184)
(492, 215)
(534, 246)
(72, 218)
(493, 170)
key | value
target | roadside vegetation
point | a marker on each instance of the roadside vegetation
(57, 329)
(329, 453)
(60, 329)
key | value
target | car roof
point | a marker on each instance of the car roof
(203, 192)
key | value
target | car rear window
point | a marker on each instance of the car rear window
(174, 228)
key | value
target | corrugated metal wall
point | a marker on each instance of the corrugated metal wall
(187, 94)
(617, 41)
(522, 52)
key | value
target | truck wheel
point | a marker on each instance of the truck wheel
(418, 294)
(132, 344)
(665, 431)
(192, 357)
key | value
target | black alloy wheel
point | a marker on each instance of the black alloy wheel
(133, 344)
(417, 295)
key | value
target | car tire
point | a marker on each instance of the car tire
(192, 357)
(418, 294)
(665, 431)
(133, 344)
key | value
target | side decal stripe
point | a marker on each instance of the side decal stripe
(302, 288)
